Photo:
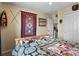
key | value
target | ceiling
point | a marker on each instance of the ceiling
(44, 6)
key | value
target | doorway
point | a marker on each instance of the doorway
(55, 30)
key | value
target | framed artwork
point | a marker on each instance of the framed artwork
(28, 24)
(42, 22)
(75, 7)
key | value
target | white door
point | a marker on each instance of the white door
(67, 27)
(71, 26)
(50, 26)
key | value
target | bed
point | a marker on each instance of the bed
(30, 46)
(61, 48)
(43, 46)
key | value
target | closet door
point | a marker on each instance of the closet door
(74, 26)
(77, 26)
(68, 26)
(71, 26)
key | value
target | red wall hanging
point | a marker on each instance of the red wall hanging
(28, 24)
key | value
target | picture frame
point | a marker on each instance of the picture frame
(28, 24)
(42, 22)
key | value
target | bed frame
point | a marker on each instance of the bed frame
(17, 40)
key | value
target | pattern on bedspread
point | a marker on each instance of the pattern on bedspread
(61, 49)
(28, 49)
(43, 47)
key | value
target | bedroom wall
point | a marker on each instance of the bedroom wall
(60, 16)
(61, 13)
(13, 30)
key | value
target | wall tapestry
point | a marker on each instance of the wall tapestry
(28, 24)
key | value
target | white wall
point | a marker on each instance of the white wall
(13, 30)
(60, 16)
(61, 13)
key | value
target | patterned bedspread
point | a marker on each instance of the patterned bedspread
(27, 49)
(31, 48)
(59, 49)
(44, 47)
